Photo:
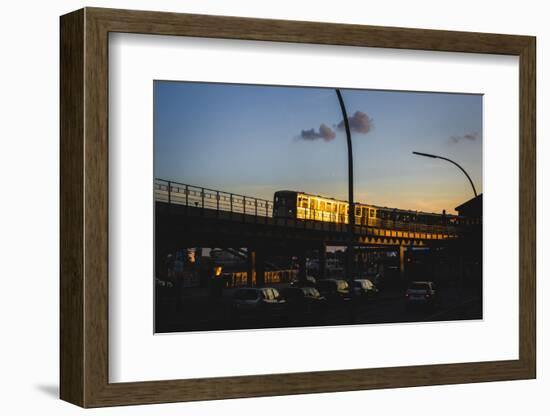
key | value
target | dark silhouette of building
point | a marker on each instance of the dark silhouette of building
(471, 241)
(472, 208)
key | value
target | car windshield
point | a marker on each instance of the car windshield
(313, 292)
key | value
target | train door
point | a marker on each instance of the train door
(315, 205)
(329, 215)
(358, 216)
(322, 210)
(372, 217)
(343, 213)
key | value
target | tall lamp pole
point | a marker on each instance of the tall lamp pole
(461, 258)
(453, 162)
(351, 214)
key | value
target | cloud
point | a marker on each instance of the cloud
(360, 123)
(324, 132)
(466, 137)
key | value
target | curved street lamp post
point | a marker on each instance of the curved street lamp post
(351, 209)
(461, 259)
(451, 161)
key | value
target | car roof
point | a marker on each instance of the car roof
(421, 283)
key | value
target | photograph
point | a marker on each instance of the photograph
(298, 206)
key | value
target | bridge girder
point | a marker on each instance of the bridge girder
(184, 226)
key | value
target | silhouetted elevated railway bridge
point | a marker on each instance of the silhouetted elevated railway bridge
(190, 216)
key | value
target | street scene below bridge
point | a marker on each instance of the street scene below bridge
(197, 311)
(210, 291)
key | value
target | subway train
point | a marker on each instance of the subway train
(299, 205)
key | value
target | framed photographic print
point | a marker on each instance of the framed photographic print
(259, 207)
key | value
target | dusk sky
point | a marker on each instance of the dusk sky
(255, 140)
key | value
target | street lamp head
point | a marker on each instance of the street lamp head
(451, 161)
(425, 155)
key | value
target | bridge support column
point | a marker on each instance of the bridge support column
(402, 261)
(432, 258)
(302, 272)
(461, 270)
(260, 268)
(322, 260)
(250, 278)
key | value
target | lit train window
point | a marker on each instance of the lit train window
(322, 207)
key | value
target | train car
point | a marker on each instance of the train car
(300, 205)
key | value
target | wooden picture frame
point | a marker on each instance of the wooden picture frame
(84, 207)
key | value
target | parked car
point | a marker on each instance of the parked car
(365, 289)
(301, 301)
(258, 302)
(334, 290)
(310, 281)
(421, 293)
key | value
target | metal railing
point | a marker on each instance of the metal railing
(205, 198)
